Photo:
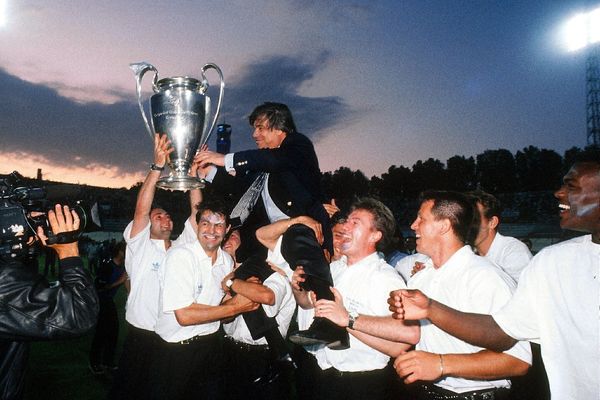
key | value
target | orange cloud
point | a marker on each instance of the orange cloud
(94, 174)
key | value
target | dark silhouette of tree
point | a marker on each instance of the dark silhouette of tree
(461, 173)
(538, 169)
(496, 172)
(430, 174)
(344, 184)
(395, 183)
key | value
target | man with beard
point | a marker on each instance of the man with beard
(556, 302)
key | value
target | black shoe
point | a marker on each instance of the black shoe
(282, 365)
(96, 369)
(322, 331)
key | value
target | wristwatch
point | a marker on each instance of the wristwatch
(352, 317)
(155, 167)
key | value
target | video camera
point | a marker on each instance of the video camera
(24, 208)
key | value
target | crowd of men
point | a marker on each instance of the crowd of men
(210, 312)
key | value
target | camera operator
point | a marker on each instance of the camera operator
(31, 309)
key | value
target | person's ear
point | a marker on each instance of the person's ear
(494, 221)
(376, 236)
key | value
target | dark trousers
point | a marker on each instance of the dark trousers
(369, 385)
(258, 323)
(306, 374)
(104, 343)
(534, 384)
(245, 363)
(137, 374)
(299, 247)
(191, 371)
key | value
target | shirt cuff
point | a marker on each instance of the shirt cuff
(229, 162)
(210, 176)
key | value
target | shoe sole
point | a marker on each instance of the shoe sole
(304, 341)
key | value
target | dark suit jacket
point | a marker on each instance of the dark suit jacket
(294, 182)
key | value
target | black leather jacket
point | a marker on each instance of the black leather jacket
(30, 309)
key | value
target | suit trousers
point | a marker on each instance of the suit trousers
(299, 247)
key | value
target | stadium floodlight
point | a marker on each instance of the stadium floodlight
(582, 30)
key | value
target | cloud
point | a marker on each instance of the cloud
(279, 78)
(69, 133)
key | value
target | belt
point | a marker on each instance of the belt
(198, 339)
(337, 372)
(433, 392)
(247, 347)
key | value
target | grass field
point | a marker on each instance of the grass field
(59, 369)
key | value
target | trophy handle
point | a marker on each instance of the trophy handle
(139, 69)
(204, 87)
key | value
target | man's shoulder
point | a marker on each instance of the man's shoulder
(572, 247)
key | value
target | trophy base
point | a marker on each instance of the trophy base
(182, 183)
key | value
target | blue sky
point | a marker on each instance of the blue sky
(373, 83)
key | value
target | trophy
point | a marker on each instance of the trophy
(179, 109)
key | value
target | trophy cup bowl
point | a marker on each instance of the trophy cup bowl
(179, 109)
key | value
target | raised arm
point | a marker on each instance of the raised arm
(269, 234)
(143, 205)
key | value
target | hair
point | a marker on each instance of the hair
(338, 218)
(155, 206)
(591, 155)
(278, 115)
(216, 205)
(383, 219)
(491, 205)
(458, 209)
(228, 235)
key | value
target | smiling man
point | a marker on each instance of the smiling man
(283, 172)
(447, 366)
(556, 302)
(148, 238)
(191, 310)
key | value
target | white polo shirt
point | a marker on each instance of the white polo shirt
(190, 277)
(557, 304)
(510, 254)
(365, 287)
(405, 265)
(282, 310)
(468, 283)
(143, 261)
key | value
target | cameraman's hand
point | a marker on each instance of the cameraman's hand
(62, 219)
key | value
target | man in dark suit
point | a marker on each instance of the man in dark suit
(283, 173)
(288, 157)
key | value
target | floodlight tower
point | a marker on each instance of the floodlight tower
(583, 31)
(593, 95)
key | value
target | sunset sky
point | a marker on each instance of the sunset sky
(373, 83)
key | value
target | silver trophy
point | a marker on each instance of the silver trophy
(181, 110)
